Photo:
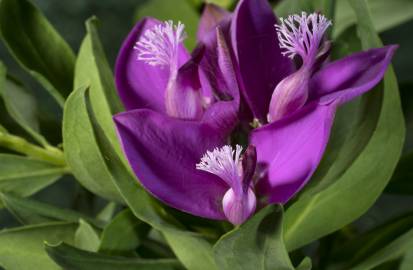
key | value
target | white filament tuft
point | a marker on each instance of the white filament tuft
(301, 34)
(224, 162)
(159, 45)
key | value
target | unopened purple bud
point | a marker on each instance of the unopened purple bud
(183, 97)
(289, 95)
(239, 207)
(301, 35)
(159, 46)
(239, 201)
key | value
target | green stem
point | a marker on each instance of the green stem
(18, 144)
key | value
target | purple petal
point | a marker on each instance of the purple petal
(183, 96)
(351, 76)
(220, 78)
(212, 16)
(141, 85)
(163, 152)
(255, 44)
(291, 149)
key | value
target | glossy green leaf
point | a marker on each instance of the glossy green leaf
(396, 249)
(123, 235)
(86, 238)
(191, 248)
(363, 163)
(37, 46)
(176, 10)
(20, 105)
(81, 150)
(25, 176)
(256, 244)
(71, 258)
(29, 211)
(385, 14)
(22, 248)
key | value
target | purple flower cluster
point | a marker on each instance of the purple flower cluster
(182, 110)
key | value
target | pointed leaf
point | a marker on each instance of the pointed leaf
(107, 212)
(21, 248)
(25, 176)
(385, 14)
(189, 247)
(396, 249)
(362, 246)
(257, 244)
(363, 162)
(20, 105)
(82, 152)
(37, 46)
(30, 211)
(71, 258)
(123, 235)
(86, 238)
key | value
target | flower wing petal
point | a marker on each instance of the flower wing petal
(289, 150)
(351, 76)
(163, 153)
(141, 85)
(255, 44)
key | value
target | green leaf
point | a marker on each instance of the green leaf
(256, 244)
(176, 10)
(92, 69)
(71, 258)
(123, 235)
(20, 105)
(22, 248)
(86, 238)
(189, 247)
(363, 161)
(30, 211)
(396, 249)
(407, 262)
(25, 176)
(81, 150)
(37, 46)
(3, 130)
(289, 7)
(222, 3)
(362, 246)
(107, 212)
(385, 14)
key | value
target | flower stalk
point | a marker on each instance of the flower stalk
(18, 144)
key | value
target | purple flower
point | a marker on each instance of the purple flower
(178, 106)
(182, 109)
(291, 140)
